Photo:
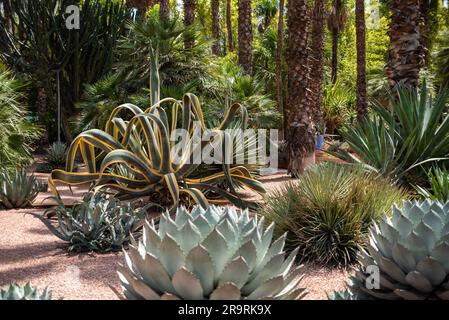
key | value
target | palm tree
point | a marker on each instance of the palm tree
(317, 60)
(245, 35)
(164, 10)
(229, 26)
(361, 58)
(336, 23)
(279, 49)
(189, 19)
(215, 12)
(301, 131)
(406, 53)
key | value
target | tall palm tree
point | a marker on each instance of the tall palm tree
(279, 49)
(406, 53)
(245, 35)
(229, 26)
(317, 59)
(164, 10)
(189, 19)
(336, 23)
(215, 12)
(362, 105)
(301, 131)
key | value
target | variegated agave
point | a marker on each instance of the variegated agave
(411, 252)
(27, 292)
(215, 254)
(133, 155)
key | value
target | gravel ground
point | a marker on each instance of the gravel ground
(29, 252)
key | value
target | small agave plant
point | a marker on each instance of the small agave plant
(212, 254)
(411, 252)
(99, 223)
(26, 292)
(18, 189)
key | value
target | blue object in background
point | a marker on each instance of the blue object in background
(319, 142)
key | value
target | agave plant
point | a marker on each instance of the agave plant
(400, 143)
(439, 185)
(144, 146)
(56, 155)
(99, 223)
(411, 252)
(18, 189)
(212, 254)
(27, 292)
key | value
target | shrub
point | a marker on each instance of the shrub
(403, 143)
(328, 212)
(411, 251)
(18, 189)
(216, 254)
(99, 223)
(27, 292)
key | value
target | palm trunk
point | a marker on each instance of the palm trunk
(406, 53)
(164, 10)
(317, 61)
(229, 26)
(361, 58)
(301, 131)
(245, 32)
(335, 36)
(279, 49)
(189, 19)
(215, 11)
(8, 14)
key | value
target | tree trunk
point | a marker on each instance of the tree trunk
(41, 107)
(141, 5)
(336, 24)
(7, 14)
(317, 61)
(245, 33)
(189, 19)
(406, 53)
(229, 26)
(164, 10)
(215, 11)
(279, 49)
(362, 105)
(301, 131)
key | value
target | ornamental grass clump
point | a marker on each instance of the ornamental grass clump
(329, 211)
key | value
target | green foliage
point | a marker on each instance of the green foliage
(216, 254)
(411, 251)
(99, 223)
(338, 106)
(17, 133)
(439, 185)
(401, 144)
(27, 292)
(328, 213)
(18, 189)
(56, 155)
(81, 56)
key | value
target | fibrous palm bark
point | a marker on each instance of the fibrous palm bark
(406, 53)
(215, 12)
(189, 19)
(164, 10)
(361, 58)
(245, 35)
(229, 26)
(336, 23)
(301, 131)
(279, 49)
(317, 60)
